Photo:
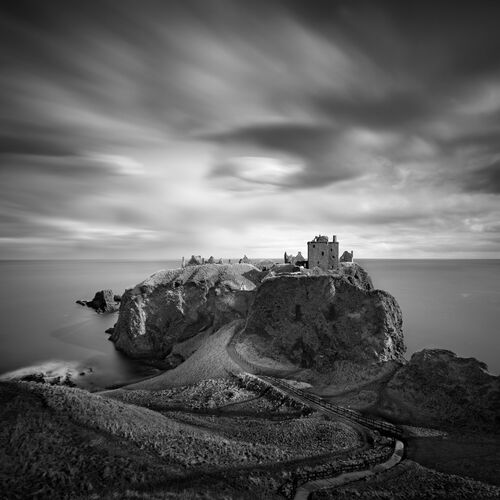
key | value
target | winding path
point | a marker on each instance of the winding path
(317, 481)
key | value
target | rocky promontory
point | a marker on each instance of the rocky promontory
(315, 322)
(438, 388)
(175, 305)
(307, 318)
(331, 329)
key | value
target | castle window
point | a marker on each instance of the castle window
(322, 253)
(314, 246)
(298, 313)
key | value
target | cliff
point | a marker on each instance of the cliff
(301, 318)
(316, 322)
(439, 388)
(175, 305)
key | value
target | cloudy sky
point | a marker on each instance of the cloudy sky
(153, 129)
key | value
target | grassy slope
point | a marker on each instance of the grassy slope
(410, 480)
(209, 361)
(65, 443)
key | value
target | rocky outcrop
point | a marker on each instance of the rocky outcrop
(103, 301)
(316, 321)
(174, 305)
(51, 372)
(439, 388)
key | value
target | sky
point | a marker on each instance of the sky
(156, 129)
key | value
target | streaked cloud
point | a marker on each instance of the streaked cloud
(226, 127)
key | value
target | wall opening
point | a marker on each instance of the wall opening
(298, 313)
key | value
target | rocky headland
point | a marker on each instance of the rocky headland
(333, 330)
(173, 306)
(204, 427)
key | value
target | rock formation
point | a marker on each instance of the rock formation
(317, 321)
(312, 321)
(174, 305)
(439, 388)
(103, 301)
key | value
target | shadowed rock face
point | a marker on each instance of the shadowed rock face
(315, 321)
(174, 305)
(439, 388)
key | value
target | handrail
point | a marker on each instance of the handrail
(289, 489)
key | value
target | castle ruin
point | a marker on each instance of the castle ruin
(323, 253)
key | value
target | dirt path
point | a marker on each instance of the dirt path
(355, 419)
(306, 489)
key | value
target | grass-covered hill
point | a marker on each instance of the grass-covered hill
(218, 437)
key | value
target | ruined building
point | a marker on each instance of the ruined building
(297, 260)
(347, 256)
(323, 253)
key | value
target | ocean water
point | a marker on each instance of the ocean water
(41, 322)
(447, 304)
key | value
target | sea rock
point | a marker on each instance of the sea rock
(103, 301)
(316, 321)
(174, 305)
(439, 388)
(50, 372)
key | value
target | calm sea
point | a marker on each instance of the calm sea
(446, 303)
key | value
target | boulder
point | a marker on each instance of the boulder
(316, 321)
(174, 305)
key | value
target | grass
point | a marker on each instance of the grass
(209, 361)
(410, 480)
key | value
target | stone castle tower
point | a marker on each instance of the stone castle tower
(323, 253)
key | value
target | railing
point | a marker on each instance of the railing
(289, 488)
(356, 416)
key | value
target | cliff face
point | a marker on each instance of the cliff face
(438, 388)
(316, 321)
(174, 305)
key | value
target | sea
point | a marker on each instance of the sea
(446, 304)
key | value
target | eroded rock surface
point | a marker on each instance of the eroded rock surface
(174, 305)
(316, 321)
(439, 388)
(103, 301)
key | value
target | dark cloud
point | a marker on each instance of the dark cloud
(317, 147)
(32, 147)
(399, 110)
(379, 115)
(485, 179)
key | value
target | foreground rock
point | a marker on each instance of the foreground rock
(52, 372)
(438, 388)
(103, 301)
(174, 305)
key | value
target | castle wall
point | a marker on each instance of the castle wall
(323, 254)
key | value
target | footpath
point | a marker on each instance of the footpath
(300, 486)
